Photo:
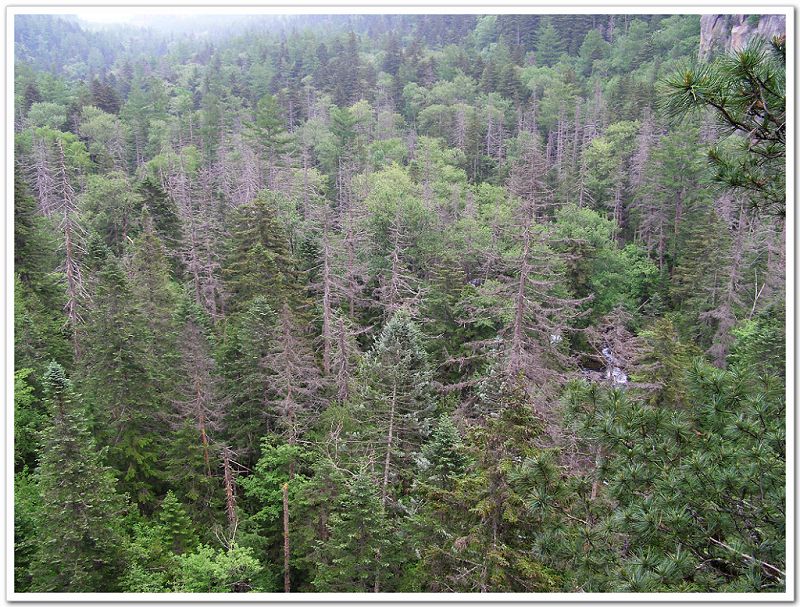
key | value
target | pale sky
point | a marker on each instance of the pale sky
(133, 14)
(101, 16)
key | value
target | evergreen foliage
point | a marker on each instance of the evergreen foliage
(78, 523)
(398, 303)
(746, 91)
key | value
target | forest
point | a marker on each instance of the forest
(398, 303)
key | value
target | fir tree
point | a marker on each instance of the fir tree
(443, 458)
(258, 258)
(79, 527)
(175, 524)
(396, 395)
(268, 133)
(548, 43)
(477, 528)
(118, 377)
(356, 557)
(38, 321)
(247, 342)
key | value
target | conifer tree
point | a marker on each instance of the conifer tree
(746, 91)
(118, 375)
(79, 525)
(246, 381)
(268, 133)
(398, 303)
(26, 506)
(175, 524)
(112, 209)
(395, 389)
(712, 522)
(443, 458)
(278, 484)
(151, 285)
(476, 528)
(357, 555)
(548, 43)
(258, 259)
(38, 302)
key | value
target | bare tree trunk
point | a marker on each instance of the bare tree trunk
(576, 138)
(137, 139)
(351, 265)
(619, 219)
(73, 285)
(515, 359)
(343, 375)
(72, 268)
(389, 439)
(43, 180)
(560, 141)
(204, 440)
(306, 202)
(774, 281)
(377, 586)
(394, 290)
(230, 494)
(286, 580)
(327, 313)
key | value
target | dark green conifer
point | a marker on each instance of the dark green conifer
(78, 528)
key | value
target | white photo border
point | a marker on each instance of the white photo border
(378, 7)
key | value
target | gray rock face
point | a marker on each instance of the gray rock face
(724, 33)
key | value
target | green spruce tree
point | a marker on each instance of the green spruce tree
(78, 529)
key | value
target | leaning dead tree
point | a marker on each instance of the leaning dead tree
(229, 480)
(341, 280)
(72, 245)
(200, 224)
(293, 394)
(198, 404)
(40, 172)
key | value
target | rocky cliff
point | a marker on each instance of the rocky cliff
(723, 33)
